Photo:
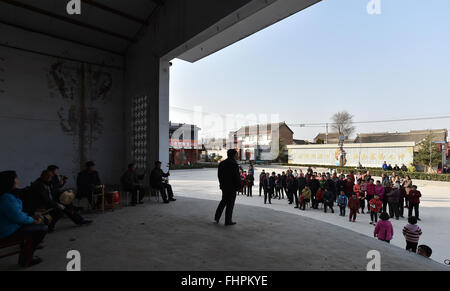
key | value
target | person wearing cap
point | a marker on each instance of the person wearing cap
(230, 182)
(156, 181)
(86, 181)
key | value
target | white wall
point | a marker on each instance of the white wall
(41, 117)
(369, 154)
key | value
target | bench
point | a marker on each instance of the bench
(12, 246)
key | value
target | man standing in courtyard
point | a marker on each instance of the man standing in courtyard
(230, 181)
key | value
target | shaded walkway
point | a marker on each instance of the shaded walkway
(182, 236)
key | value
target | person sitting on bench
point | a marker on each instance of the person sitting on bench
(156, 181)
(130, 183)
(87, 180)
(16, 224)
(40, 199)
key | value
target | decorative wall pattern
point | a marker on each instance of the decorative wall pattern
(139, 119)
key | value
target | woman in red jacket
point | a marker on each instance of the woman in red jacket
(414, 201)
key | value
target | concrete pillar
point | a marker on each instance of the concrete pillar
(163, 116)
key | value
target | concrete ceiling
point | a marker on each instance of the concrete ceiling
(109, 25)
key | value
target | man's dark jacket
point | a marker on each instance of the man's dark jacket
(86, 181)
(130, 180)
(156, 177)
(39, 197)
(229, 177)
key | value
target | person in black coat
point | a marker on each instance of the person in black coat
(330, 185)
(250, 181)
(328, 200)
(157, 181)
(301, 184)
(292, 188)
(230, 182)
(86, 182)
(314, 185)
(130, 183)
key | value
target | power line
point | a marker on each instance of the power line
(373, 121)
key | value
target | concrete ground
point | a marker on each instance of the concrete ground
(182, 236)
(434, 207)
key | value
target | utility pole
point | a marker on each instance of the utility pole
(326, 135)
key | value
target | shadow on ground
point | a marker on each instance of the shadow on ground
(182, 236)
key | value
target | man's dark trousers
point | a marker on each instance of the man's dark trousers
(393, 210)
(228, 199)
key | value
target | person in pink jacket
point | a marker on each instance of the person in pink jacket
(384, 230)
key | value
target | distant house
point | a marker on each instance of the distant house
(300, 142)
(183, 143)
(255, 141)
(413, 136)
(332, 138)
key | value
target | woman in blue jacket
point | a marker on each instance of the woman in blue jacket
(14, 223)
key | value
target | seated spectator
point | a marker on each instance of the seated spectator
(385, 166)
(130, 182)
(16, 224)
(445, 170)
(87, 180)
(157, 182)
(56, 184)
(305, 197)
(40, 200)
(404, 168)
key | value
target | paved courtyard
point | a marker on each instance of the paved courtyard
(434, 208)
(183, 236)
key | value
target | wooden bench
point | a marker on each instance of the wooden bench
(13, 246)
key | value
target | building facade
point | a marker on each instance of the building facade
(183, 144)
(262, 141)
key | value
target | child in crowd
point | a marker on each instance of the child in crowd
(318, 198)
(412, 233)
(305, 197)
(384, 230)
(424, 251)
(353, 204)
(375, 207)
(379, 190)
(342, 201)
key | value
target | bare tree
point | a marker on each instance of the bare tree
(343, 123)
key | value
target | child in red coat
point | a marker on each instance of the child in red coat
(353, 204)
(375, 205)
